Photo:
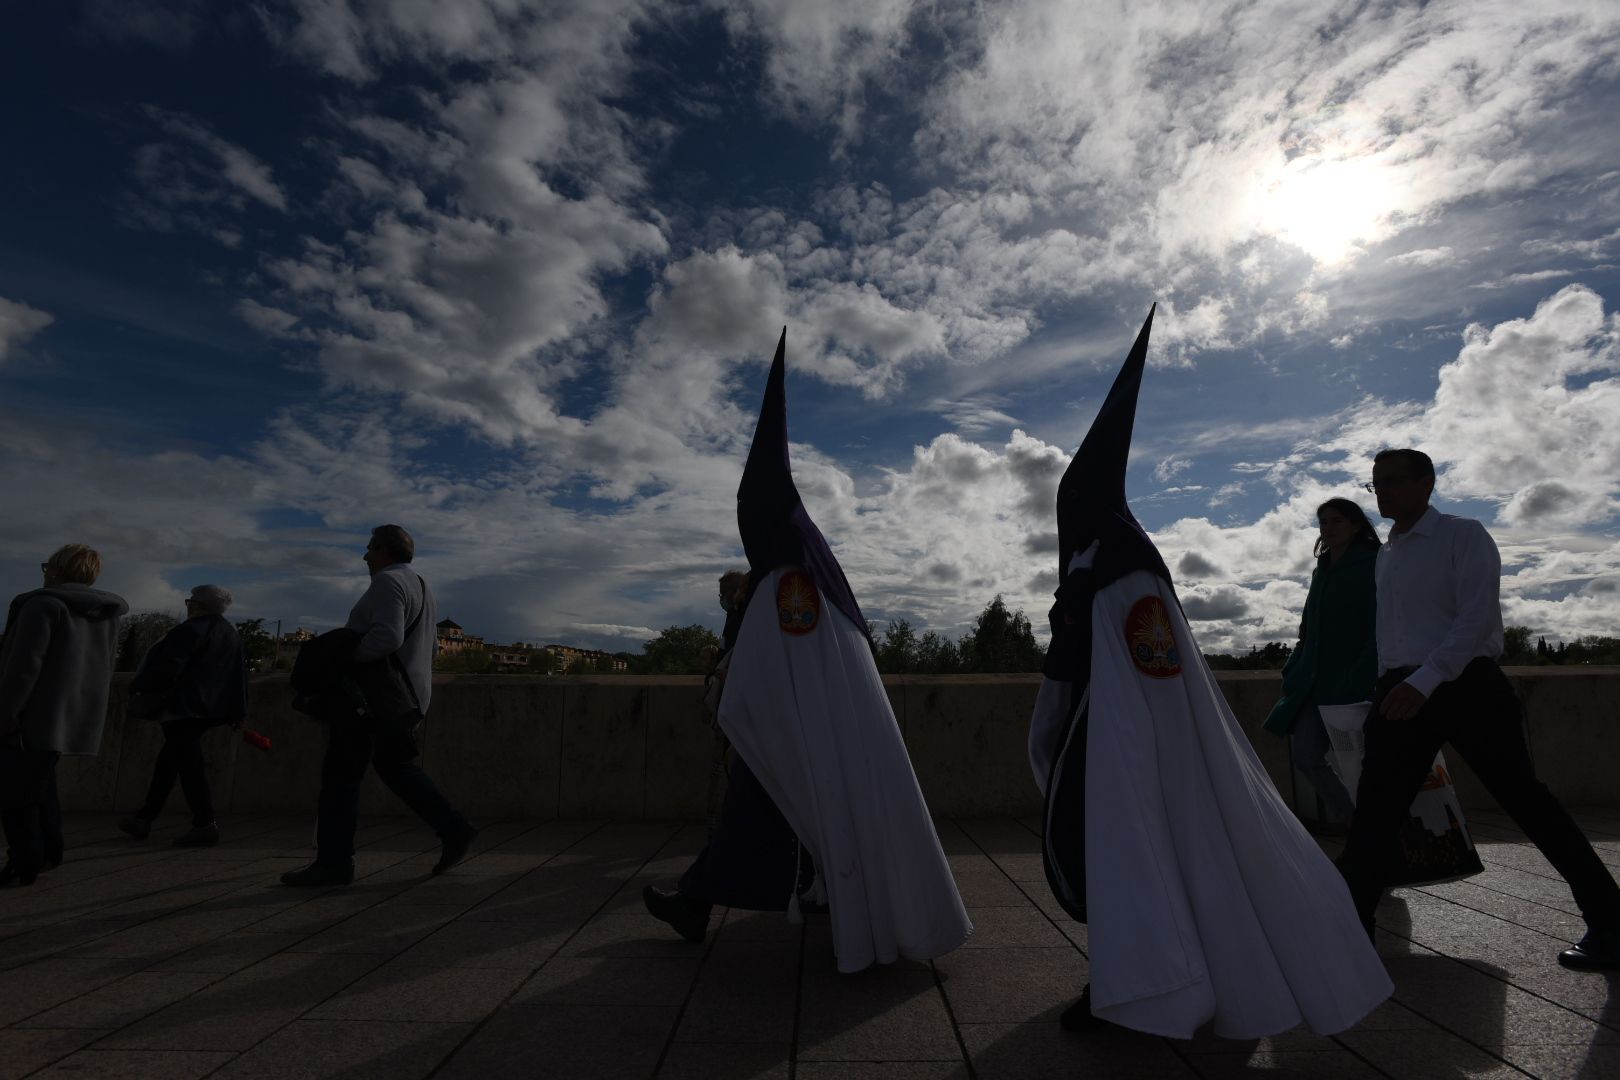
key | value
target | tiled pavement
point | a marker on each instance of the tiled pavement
(535, 959)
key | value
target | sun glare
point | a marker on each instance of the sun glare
(1327, 207)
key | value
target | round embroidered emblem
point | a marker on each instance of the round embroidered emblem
(798, 605)
(1151, 641)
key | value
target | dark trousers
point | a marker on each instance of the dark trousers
(1478, 714)
(391, 749)
(181, 756)
(30, 811)
(754, 860)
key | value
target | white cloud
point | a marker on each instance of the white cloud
(18, 323)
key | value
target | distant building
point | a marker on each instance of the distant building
(568, 658)
(298, 636)
(514, 657)
(452, 639)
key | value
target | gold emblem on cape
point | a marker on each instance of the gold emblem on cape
(1151, 641)
(798, 605)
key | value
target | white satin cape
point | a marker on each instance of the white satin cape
(809, 714)
(1206, 899)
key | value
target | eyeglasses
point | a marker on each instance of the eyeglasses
(1388, 481)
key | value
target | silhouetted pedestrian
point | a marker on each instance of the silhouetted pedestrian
(1336, 660)
(392, 665)
(56, 665)
(1439, 637)
(193, 679)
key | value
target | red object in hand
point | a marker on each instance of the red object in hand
(256, 740)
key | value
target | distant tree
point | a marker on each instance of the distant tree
(937, 655)
(896, 654)
(258, 644)
(138, 633)
(677, 650)
(1516, 645)
(1592, 649)
(1000, 641)
(1268, 657)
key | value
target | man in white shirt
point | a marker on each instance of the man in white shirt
(1439, 635)
(396, 618)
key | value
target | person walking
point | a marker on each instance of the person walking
(193, 679)
(1439, 637)
(56, 664)
(393, 626)
(1336, 660)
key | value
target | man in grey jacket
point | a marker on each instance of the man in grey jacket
(56, 664)
(395, 621)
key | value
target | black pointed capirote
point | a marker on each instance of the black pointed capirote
(775, 527)
(1091, 502)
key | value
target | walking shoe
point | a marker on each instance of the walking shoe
(10, 875)
(1077, 1017)
(320, 874)
(136, 826)
(198, 836)
(1599, 950)
(454, 849)
(689, 917)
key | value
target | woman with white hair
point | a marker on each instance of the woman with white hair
(56, 662)
(192, 680)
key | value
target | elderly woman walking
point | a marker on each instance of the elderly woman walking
(1336, 661)
(56, 664)
(192, 680)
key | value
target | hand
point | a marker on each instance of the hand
(240, 725)
(1402, 703)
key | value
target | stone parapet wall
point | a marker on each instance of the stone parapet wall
(636, 747)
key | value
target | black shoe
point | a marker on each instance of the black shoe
(689, 917)
(1077, 1017)
(454, 849)
(198, 836)
(10, 876)
(1599, 950)
(136, 826)
(320, 874)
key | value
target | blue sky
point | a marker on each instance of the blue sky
(509, 274)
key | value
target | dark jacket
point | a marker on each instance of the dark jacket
(56, 663)
(1336, 661)
(328, 685)
(198, 671)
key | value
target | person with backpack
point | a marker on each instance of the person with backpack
(194, 679)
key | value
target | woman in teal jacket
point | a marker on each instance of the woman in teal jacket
(1336, 661)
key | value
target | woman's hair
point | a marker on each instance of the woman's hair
(1354, 514)
(74, 564)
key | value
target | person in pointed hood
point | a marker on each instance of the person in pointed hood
(56, 664)
(805, 709)
(1205, 898)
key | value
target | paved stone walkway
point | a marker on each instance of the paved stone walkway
(535, 959)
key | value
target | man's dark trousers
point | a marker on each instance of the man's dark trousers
(182, 756)
(1478, 714)
(30, 812)
(390, 747)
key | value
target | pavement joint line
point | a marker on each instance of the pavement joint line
(680, 1013)
(286, 948)
(1511, 896)
(168, 913)
(1020, 887)
(154, 963)
(479, 1025)
(798, 1003)
(146, 857)
(956, 1028)
(1464, 961)
(1493, 915)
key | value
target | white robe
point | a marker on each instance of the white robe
(1206, 899)
(809, 714)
